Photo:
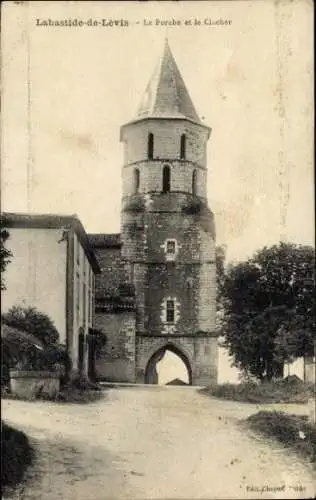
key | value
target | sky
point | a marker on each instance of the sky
(67, 90)
(171, 367)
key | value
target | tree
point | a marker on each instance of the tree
(5, 254)
(220, 255)
(269, 308)
(30, 320)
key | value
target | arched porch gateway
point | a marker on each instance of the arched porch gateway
(151, 375)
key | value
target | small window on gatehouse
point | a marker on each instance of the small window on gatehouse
(170, 311)
(171, 247)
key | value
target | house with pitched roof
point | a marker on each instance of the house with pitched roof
(53, 269)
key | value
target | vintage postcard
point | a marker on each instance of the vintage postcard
(157, 250)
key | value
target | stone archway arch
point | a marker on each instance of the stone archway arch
(150, 370)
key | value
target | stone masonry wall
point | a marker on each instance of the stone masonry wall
(146, 347)
(206, 361)
(158, 218)
(167, 134)
(200, 352)
(150, 221)
(189, 279)
(113, 271)
(151, 175)
(117, 361)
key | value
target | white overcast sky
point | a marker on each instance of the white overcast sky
(251, 81)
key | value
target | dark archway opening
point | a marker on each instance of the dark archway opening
(179, 371)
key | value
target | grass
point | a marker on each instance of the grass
(17, 455)
(291, 430)
(70, 394)
(282, 391)
(80, 390)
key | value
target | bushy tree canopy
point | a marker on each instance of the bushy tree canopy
(32, 321)
(5, 254)
(269, 308)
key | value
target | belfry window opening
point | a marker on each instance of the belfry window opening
(170, 311)
(166, 182)
(194, 182)
(182, 146)
(136, 180)
(150, 146)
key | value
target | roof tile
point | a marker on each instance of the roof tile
(166, 95)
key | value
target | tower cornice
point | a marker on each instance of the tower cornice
(170, 161)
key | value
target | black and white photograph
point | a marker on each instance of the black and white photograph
(158, 331)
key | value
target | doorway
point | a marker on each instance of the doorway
(168, 366)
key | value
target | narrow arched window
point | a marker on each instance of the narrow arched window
(166, 179)
(194, 182)
(136, 180)
(182, 146)
(150, 146)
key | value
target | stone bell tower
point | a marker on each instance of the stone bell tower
(167, 228)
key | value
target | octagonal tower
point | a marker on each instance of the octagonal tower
(167, 228)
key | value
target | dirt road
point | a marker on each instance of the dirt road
(153, 442)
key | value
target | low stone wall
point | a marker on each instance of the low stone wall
(31, 384)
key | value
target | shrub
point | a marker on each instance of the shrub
(82, 383)
(135, 204)
(16, 345)
(5, 254)
(17, 455)
(80, 390)
(192, 207)
(30, 320)
(98, 341)
(31, 343)
(54, 357)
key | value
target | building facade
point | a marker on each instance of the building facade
(53, 269)
(157, 287)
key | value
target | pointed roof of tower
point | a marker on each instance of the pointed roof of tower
(166, 95)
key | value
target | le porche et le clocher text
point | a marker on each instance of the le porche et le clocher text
(122, 23)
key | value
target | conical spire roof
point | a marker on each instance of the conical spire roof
(166, 95)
